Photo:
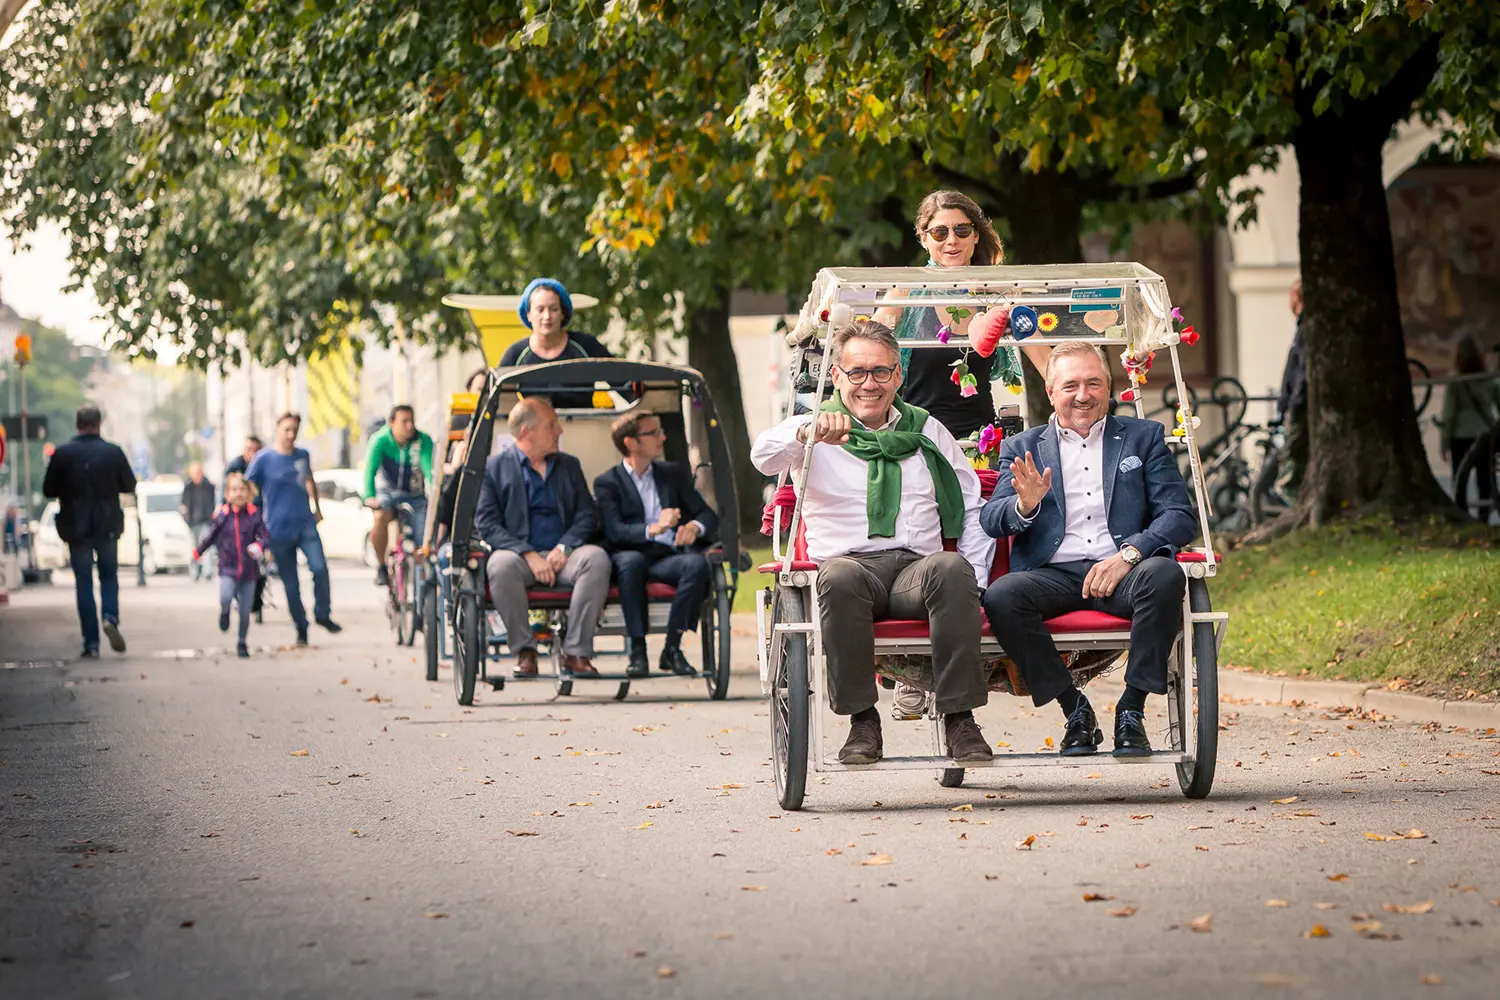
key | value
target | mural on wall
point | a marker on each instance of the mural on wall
(1445, 224)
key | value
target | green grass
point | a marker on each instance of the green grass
(1415, 606)
(744, 598)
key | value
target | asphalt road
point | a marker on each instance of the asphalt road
(324, 823)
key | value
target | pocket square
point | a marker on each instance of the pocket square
(1129, 463)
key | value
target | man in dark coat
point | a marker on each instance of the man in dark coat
(197, 507)
(1291, 406)
(655, 523)
(86, 477)
(536, 515)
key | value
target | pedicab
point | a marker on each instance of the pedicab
(1123, 308)
(680, 397)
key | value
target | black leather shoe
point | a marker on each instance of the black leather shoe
(673, 662)
(302, 637)
(966, 744)
(330, 625)
(640, 663)
(1084, 735)
(1130, 735)
(864, 745)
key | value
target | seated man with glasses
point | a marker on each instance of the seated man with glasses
(886, 486)
(655, 523)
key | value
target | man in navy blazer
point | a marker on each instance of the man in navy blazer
(535, 512)
(1097, 510)
(654, 522)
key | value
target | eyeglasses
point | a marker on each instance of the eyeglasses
(963, 231)
(654, 432)
(857, 376)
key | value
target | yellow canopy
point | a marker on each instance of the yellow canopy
(497, 321)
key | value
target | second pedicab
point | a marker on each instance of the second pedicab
(679, 396)
(1121, 307)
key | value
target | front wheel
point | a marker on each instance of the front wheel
(404, 593)
(430, 627)
(790, 698)
(1197, 778)
(715, 633)
(468, 643)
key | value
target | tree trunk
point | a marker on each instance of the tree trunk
(1045, 213)
(712, 352)
(1366, 455)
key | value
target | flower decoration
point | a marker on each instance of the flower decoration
(1181, 333)
(1184, 420)
(987, 329)
(944, 333)
(1176, 314)
(1047, 322)
(989, 439)
(968, 386)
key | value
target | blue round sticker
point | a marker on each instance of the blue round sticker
(1023, 322)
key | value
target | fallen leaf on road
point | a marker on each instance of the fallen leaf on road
(655, 805)
(1143, 864)
(1463, 888)
(1199, 847)
(637, 953)
(1094, 897)
(732, 784)
(1286, 801)
(967, 807)
(1325, 906)
(207, 835)
(1432, 980)
(752, 888)
(876, 859)
(1049, 742)
(436, 916)
(299, 753)
(1340, 877)
(645, 824)
(522, 833)
(580, 803)
(1202, 925)
(1124, 911)
(1409, 908)
(1025, 845)
(723, 935)
(665, 972)
(1093, 775)
(832, 851)
(1366, 927)
(1277, 904)
(1318, 931)
(1002, 743)
(1143, 816)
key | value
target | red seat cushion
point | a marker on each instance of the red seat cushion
(797, 564)
(1072, 622)
(1197, 557)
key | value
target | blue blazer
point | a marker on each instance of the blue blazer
(1144, 495)
(624, 515)
(503, 517)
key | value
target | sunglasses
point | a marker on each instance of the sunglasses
(940, 233)
(857, 376)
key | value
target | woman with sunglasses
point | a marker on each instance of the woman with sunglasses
(955, 233)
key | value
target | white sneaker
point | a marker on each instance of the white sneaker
(909, 704)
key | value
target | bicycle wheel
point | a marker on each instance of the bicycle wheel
(713, 627)
(1197, 700)
(1475, 480)
(791, 699)
(468, 643)
(406, 600)
(431, 627)
(1421, 395)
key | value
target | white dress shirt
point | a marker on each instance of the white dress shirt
(834, 499)
(1086, 523)
(645, 485)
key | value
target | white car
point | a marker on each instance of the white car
(168, 539)
(346, 524)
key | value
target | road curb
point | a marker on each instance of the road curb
(1247, 686)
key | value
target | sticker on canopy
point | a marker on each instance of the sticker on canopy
(1082, 300)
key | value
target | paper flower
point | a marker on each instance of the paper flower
(968, 387)
(1047, 322)
(1129, 396)
(944, 333)
(988, 438)
(1176, 314)
(1190, 336)
(956, 377)
(1015, 390)
(987, 329)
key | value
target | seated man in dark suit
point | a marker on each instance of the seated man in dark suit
(535, 512)
(1095, 529)
(654, 520)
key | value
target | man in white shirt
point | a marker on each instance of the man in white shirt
(1102, 538)
(886, 486)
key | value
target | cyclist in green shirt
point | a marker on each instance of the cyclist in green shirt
(398, 468)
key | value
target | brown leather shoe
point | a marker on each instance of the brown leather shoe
(966, 744)
(526, 663)
(864, 745)
(579, 666)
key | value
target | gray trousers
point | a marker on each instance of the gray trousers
(587, 572)
(242, 592)
(858, 589)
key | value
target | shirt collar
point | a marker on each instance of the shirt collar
(1064, 434)
(526, 462)
(650, 472)
(891, 419)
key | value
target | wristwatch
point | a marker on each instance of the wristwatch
(1130, 554)
(567, 550)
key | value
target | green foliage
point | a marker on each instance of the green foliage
(54, 389)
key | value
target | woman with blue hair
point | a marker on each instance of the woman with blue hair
(546, 310)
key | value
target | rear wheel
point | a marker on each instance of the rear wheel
(952, 777)
(564, 681)
(1199, 715)
(405, 590)
(790, 698)
(1475, 480)
(715, 633)
(468, 643)
(430, 627)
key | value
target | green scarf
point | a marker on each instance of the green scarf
(884, 451)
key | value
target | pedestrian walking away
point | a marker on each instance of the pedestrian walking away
(289, 503)
(197, 506)
(86, 477)
(238, 534)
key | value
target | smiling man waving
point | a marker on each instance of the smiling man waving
(1097, 513)
(886, 486)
